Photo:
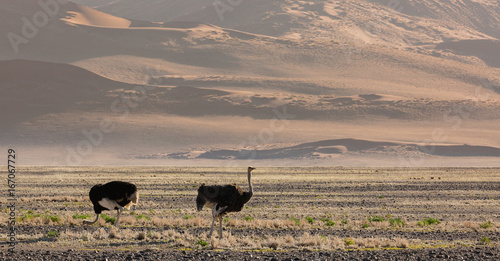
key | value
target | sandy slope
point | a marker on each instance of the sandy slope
(281, 17)
(214, 89)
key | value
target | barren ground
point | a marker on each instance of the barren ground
(305, 213)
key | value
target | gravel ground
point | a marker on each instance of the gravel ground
(477, 253)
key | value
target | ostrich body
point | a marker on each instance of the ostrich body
(223, 199)
(112, 195)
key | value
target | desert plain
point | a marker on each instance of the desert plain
(312, 213)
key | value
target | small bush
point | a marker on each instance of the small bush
(26, 217)
(77, 216)
(202, 243)
(142, 216)
(310, 220)
(349, 241)
(344, 221)
(108, 219)
(328, 222)
(365, 226)
(248, 218)
(486, 240)
(52, 233)
(53, 218)
(396, 222)
(376, 219)
(428, 222)
(296, 220)
(486, 225)
(187, 216)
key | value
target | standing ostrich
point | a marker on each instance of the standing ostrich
(223, 199)
(112, 195)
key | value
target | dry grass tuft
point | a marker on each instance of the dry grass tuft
(100, 234)
(470, 224)
(114, 232)
(141, 235)
(127, 220)
(308, 240)
(401, 242)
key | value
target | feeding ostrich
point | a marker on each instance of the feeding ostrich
(112, 195)
(223, 199)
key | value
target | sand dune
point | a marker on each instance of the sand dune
(87, 16)
(32, 89)
(391, 22)
(335, 148)
(346, 73)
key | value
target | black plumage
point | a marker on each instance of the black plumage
(223, 199)
(112, 195)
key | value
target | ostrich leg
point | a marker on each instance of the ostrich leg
(220, 227)
(86, 222)
(211, 228)
(217, 214)
(118, 212)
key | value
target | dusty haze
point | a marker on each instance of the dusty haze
(280, 83)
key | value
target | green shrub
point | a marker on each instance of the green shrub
(344, 221)
(349, 241)
(365, 226)
(248, 218)
(486, 240)
(486, 225)
(187, 216)
(376, 219)
(296, 220)
(328, 222)
(142, 216)
(310, 220)
(77, 216)
(53, 218)
(202, 243)
(428, 222)
(396, 222)
(108, 219)
(26, 217)
(52, 233)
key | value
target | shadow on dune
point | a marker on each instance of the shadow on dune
(484, 49)
(31, 89)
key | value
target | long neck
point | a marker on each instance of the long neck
(250, 190)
